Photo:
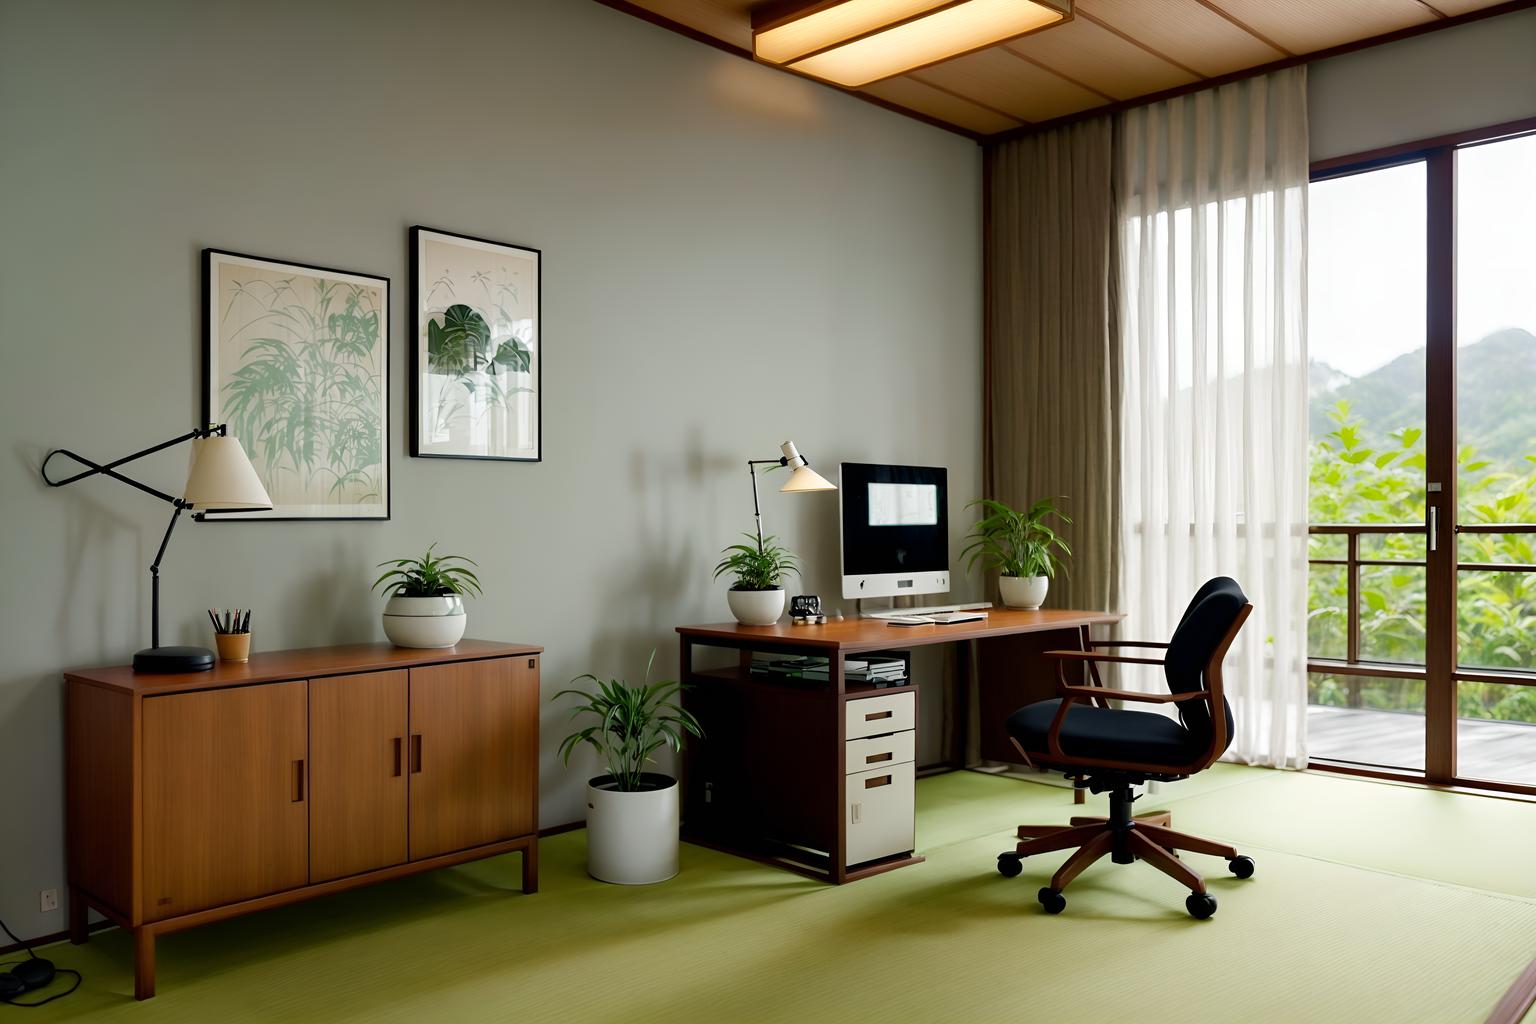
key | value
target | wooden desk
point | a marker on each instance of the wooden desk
(771, 779)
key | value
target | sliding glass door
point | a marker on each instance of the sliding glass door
(1422, 328)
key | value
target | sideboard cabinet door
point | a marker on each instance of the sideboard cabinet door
(473, 753)
(357, 736)
(225, 808)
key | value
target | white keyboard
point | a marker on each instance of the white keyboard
(931, 619)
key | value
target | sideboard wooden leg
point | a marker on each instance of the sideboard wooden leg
(79, 915)
(143, 963)
(531, 866)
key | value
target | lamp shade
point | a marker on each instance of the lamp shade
(804, 478)
(222, 477)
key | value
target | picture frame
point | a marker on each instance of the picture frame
(296, 360)
(476, 348)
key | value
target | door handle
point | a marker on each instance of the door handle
(298, 781)
(415, 753)
(396, 773)
(1434, 528)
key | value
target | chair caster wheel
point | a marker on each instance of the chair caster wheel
(1242, 867)
(1200, 905)
(1052, 900)
(1009, 865)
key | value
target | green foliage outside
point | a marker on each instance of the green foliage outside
(1363, 474)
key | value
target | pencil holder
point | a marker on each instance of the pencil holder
(233, 646)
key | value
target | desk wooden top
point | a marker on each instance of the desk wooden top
(307, 663)
(876, 634)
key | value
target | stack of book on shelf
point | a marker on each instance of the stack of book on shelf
(881, 670)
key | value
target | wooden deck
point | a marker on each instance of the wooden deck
(1500, 751)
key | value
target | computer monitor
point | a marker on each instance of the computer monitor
(895, 530)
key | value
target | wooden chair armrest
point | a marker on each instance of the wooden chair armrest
(1088, 692)
(1127, 643)
(1122, 659)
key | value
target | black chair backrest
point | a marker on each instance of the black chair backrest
(1205, 623)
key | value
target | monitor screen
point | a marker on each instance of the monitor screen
(894, 524)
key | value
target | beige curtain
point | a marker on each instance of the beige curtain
(1052, 348)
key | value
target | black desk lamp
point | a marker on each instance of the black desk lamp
(221, 479)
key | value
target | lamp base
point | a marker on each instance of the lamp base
(171, 660)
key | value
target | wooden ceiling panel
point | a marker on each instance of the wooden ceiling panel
(1186, 31)
(1098, 59)
(1113, 52)
(729, 21)
(1004, 81)
(1451, 8)
(1302, 26)
(937, 102)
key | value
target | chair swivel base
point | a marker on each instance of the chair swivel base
(1125, 839)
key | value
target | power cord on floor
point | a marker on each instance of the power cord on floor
(30, 975)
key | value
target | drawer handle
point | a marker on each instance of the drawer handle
(875, 716)
(877, 758)
(884, 780)
(298, 781)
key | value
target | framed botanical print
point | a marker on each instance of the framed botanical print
(476, 348)
(296, 362)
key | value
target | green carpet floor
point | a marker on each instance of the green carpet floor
(1371, 903)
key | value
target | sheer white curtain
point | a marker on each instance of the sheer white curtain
(1211, 191)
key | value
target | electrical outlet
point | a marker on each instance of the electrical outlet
(48, 900)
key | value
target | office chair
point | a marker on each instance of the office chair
(1109, 750)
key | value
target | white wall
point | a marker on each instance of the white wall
(733, 256)
(1471, 76)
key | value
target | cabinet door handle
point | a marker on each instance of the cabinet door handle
(298, 781)
(396, 773)
(415, 753)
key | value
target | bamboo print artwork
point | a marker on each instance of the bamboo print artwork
(477, 348)
(299, 365)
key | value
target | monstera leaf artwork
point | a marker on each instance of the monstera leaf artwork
(477, 355)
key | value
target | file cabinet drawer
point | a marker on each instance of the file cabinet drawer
(880, 751)
(879, 811)
(875, 716)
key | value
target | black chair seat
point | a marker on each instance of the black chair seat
(1106, 733)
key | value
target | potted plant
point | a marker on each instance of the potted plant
(1020, 546)
(633, 815)
(756, 596)
(426, 599)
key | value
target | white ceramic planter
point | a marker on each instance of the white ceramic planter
(1026, 592)
(756, 607)
(632, 837)
(425, 621)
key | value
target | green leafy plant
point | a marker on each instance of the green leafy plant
(630, 724)
(760, 565)
(1016, 543)
(306, 393)
(428, 576)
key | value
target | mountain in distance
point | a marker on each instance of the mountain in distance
(1495, 399)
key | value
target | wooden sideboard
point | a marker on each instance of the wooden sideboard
(194, 798)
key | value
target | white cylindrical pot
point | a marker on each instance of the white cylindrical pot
(632, 837)
(425, 621)
(1026, 592)
(756, 607)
